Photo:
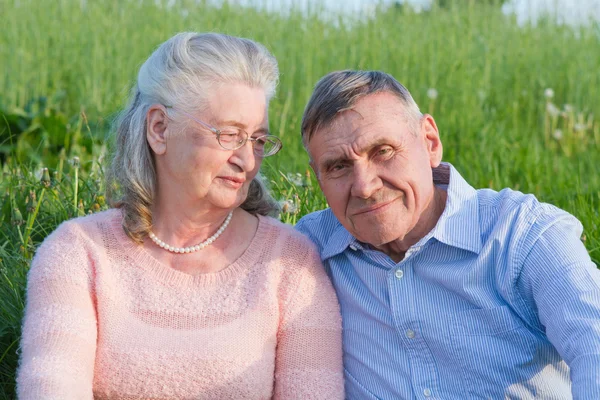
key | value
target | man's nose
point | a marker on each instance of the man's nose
(366, 181)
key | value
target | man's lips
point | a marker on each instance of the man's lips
(375, 207)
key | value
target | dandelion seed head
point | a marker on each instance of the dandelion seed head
(549, 93)
(552, 109)
(46, 182)
(432, 93)
(295, 179)
(557, 134)
(568, 108)
(288, 206)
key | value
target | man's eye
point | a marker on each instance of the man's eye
(337, 170)
(385, 151)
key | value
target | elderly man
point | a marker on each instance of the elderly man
(447, 292)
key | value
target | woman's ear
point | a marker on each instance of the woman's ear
(157, 121)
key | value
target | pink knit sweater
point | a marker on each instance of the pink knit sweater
(106, 320)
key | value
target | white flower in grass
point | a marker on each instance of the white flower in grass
(568, 108)
(579, 127)
(432, 93)
(75, 162)
(295, 179)
(549, 93)
(552, 109)
(288, 206)
(557, 134)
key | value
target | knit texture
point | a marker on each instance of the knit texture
(105, 320)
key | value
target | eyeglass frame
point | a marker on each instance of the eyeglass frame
(248, 137)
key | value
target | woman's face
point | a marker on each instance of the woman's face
(196, 167)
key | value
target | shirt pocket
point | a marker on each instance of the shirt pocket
(494, 351)
(355, 390)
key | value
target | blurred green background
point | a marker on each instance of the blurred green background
(517, 106)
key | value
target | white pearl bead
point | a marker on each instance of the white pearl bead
(197, 247)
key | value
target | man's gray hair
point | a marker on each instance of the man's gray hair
(182, 73)
(340, 90)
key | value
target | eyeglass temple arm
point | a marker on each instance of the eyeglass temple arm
(204, 124)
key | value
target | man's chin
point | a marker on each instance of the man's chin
(374, 238)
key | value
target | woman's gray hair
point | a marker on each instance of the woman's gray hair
(340, 90)
(181, 73)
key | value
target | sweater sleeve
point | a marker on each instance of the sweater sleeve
(58, 342)
(309, 346)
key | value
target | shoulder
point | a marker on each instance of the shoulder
(288, 237)
(519, 208)
(81, 229)
(71, 243)
(295, 255)
(523, 218)
(319, 226)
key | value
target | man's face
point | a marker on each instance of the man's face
(374, 170)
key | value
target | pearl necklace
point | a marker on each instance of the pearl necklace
(197, 247)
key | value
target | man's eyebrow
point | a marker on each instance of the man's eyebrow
(330, 162)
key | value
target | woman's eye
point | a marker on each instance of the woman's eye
(229, 137)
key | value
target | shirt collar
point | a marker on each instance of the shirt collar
(458, 225)
(339, 240)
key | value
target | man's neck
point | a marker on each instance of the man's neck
(396, 249)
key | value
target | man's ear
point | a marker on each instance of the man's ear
(430, 134)
(157, 122)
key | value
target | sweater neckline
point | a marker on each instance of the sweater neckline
(140, 258)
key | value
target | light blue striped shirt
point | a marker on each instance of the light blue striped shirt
(499, 301)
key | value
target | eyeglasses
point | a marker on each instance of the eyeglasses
(234, 138)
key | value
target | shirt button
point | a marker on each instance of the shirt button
(427, 392)
(410, 334)
(353, 247)
(399, 273)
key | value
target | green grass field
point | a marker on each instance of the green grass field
(67, 67)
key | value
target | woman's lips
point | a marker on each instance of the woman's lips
(232, 181)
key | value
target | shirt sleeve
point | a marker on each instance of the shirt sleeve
(309, 344)
(58, 341)
(562, 284)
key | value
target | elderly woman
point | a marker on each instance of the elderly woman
(185, 290)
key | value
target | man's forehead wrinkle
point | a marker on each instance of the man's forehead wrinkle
(345, 117)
